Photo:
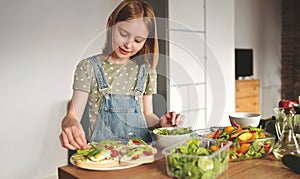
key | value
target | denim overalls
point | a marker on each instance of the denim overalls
(120, 116)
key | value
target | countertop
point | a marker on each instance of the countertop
(267, 167)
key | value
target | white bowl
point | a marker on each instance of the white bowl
(245, 119)
(163, 141)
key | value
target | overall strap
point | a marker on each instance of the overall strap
(141, 79)
(102, 83)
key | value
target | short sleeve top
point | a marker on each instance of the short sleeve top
(121, 79)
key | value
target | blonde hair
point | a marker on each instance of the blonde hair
(131, 9)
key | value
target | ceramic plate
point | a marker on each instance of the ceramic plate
(120, 167)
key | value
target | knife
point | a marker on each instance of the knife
(292, 162)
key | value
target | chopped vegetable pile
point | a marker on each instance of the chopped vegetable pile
(195, 160)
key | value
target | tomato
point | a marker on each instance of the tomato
(136, 142)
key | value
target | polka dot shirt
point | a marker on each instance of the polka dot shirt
(120, 77)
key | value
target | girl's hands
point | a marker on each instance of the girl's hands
(171, 119)
(72, 136)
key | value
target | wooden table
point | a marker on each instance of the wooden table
(265, 168)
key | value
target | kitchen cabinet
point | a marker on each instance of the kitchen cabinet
(247, 96)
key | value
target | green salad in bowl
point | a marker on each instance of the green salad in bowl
(167, 136)
(173, 131)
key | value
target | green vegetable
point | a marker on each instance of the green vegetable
(193, 160)
(84, 152)
(224, 136)
(205, 164)
(92, 153)
(95, 148)
(173, 131)
(134, 152)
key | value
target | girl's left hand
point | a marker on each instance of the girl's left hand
(171, 119)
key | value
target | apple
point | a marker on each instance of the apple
(286, 103)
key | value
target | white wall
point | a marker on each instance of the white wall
(258, 26)
(220, 63)
(187, 56)
(40, 44)
(239, 24)
(204, 88)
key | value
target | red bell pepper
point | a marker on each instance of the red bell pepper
(216, 134)
(236, 125)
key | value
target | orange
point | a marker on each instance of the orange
(245, 136)
(214, 148)
(237, 133)
(228, 129)
(244, 148)
(254, 136)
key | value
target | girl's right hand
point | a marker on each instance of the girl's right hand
(72, 136)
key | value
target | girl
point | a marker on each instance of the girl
(112, 92)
